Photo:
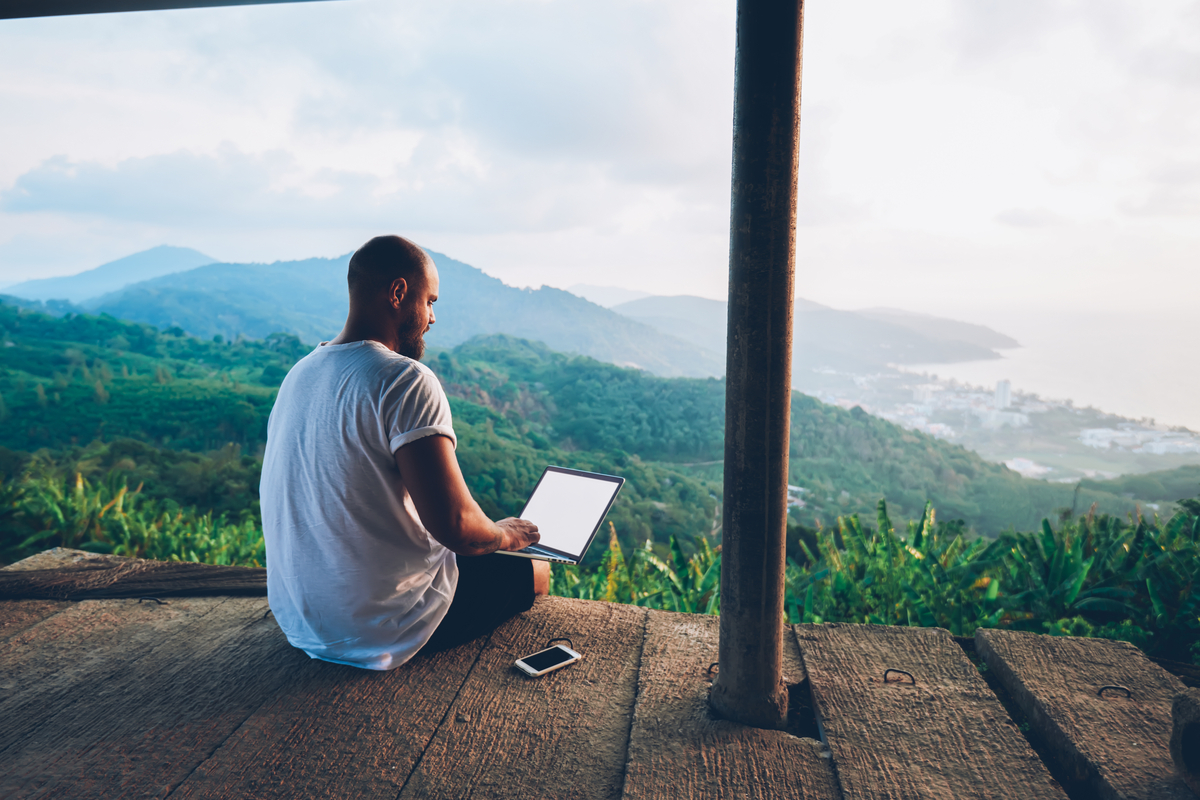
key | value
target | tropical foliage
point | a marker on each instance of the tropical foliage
(675, 583)
(1136, 580)
(656, 502)
(1098, 575)
(45, 510)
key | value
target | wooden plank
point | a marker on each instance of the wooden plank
(83, 645)
(947, 736)
(61, 557)
(563, 735)
(1120, 746)
(18, 615)
(676, 748)
(126, 699)
(132, 578)
(337, 732)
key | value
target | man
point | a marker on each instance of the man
(364, 507)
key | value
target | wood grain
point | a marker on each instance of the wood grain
(947, 736)
(676, 748)
(337, 731)
(59, 557)
(17, 615)
(1119, 745)
(81, 646)
(65, 574)
(122, 578)
(1185, 724)
(563, 735)
(124, 699)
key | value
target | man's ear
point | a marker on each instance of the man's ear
(397, 292)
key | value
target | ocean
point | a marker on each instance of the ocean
(1138, 364)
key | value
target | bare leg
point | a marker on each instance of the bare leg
(541, 577)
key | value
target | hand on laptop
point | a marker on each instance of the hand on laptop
(518, 533)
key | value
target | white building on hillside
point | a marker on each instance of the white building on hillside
(1003, 395)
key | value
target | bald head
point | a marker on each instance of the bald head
(379, 262)
(393, 286)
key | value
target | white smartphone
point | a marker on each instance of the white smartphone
(547, 660)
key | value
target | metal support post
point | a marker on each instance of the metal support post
(749, 687)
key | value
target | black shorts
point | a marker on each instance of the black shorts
(491, 589)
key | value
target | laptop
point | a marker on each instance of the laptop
(568, 506)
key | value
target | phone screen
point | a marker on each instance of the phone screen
(547, 658)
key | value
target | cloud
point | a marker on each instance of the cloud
(990, 30)
(550, 141)
(463, 119)
(437, 189)
(993, 33)
(642, 88)
(1164, 203)
(1029, 218)
(159, 189)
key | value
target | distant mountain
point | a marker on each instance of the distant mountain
(114, 275)
(940, 329)
(308, 299)
(305, 298)
(694, 319)
(607, 296)
(825, 338)
(668, 336)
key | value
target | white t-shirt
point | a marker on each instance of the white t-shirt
(352, 575)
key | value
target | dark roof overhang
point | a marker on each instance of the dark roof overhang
(17, 9)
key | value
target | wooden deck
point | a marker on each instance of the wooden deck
(202, 697)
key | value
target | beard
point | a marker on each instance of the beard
(412, 339)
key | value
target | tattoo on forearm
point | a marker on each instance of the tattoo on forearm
(483, 548)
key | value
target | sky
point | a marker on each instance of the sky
(972, 158)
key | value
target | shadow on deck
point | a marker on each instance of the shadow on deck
(203, 697)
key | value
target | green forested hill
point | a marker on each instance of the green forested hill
(849, 460)
(1164, 486)
(72, 379)
(582, 404)
(117, 401)
(187, 417)
(845, 460)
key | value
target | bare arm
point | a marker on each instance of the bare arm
(430, 472)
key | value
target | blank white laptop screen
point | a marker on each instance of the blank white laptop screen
(568, 508)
